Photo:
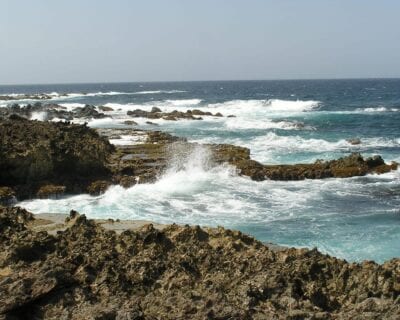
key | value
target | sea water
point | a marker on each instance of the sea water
(280, 122)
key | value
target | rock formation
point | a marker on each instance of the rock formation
(81, 270)
(46, 159)
(34, 154)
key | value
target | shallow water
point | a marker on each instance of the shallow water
(281, 122)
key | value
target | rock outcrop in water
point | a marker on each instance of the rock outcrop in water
(349, 166)
(156, 113)
(82, 270)
(50, 111)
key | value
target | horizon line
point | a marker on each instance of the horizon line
(189, 81)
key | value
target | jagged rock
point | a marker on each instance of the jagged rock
(218, 114)
(128, 181)
(88, 111)
(7, 196)
(86, 271)
(197, 112)
(174, 115)
(98, 187)
(51, 191)
(35, 154)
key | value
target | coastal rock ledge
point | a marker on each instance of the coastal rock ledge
(83, 270)
(50, 159)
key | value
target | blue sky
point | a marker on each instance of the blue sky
(47, 41)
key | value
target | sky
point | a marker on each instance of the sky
(68, 41)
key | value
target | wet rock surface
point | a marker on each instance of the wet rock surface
(83, 270)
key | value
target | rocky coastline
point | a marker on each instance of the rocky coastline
(75, 268)
(48, 159)
(83, 269)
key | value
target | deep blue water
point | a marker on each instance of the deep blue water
(281, 122)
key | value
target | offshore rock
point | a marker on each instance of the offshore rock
(50, 111)
(156, 113)
(85, 271)
(349, 166)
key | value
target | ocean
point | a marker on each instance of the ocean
(281, 122)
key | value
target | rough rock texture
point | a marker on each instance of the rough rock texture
(7, 196)
(149, 159)
(84, 271)
(156, 113)
(22, 96)
(349, 166)
(50, 111)
(34, 154)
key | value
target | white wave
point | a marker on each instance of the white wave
(266, 108)
(292, 106)
(159, 91)
(126, 140)
(183, 102)
(72, 106)
(272, 141)
(41, 116)
(249, 124)
(377, 109)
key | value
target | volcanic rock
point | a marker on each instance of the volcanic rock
(85, 271)
(35, 154)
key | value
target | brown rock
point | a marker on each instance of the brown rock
(98, 187)
(86, 271)
(50, 191)
(7, 196)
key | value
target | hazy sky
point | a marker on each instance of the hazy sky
(48, 41)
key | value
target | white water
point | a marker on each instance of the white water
(194, 191)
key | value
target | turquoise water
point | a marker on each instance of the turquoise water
(281, 122)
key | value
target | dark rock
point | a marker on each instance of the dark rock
(354, 141)
(151, 123)
(51, 191)
(98, 187)
(130, 123)
(88, 111)
(7, 196)
(155, 109)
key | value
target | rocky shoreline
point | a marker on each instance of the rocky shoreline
(48, 159)
(83, 269)
(52, 266)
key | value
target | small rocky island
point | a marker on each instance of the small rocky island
(84, 269)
